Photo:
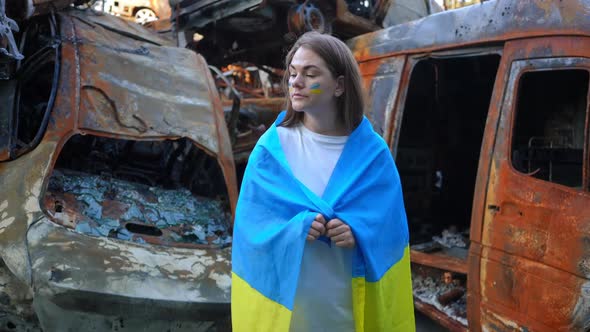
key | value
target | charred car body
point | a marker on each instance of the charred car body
(258, 31)
(486, 110)
(140, 11)
(117, 177)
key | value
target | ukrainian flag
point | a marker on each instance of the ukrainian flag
(275, 212)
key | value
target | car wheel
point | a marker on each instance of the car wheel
(145, 15)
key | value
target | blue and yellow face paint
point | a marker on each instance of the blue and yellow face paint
(314, 89)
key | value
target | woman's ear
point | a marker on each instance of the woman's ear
(339, 86)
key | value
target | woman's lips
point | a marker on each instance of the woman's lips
(297, 95)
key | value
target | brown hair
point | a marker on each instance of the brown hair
(340, 62)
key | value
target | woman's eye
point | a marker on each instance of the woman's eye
(310, 76)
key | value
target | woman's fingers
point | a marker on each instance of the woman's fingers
(334, 223)
(315, 231)
(348, 243)
(317, 228)
(332, 232)
(320, 218)
(342, 237)
(340, 233)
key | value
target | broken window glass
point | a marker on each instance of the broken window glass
(548, 138)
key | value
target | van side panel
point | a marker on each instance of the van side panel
(533, 272)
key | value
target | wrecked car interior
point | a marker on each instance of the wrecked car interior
(437, 157)
(162, 192)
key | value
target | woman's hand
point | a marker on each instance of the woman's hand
(340, 233)
(317, 228)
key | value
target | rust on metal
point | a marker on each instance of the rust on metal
(526, 264)
(489, 22)
(135, 126)
(439, 261)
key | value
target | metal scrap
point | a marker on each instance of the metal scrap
(429, 290)
(450, 238)
(8, 45)
(116, 208)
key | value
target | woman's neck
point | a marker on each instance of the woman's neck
(325, 123)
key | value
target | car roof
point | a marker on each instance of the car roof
(491, 21)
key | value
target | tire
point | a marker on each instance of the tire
(145, 15)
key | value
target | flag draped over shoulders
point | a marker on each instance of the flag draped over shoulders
(275, 212)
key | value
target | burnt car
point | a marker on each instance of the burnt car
(486, 110)
(257, 30)
(118, 182)
(139, 11)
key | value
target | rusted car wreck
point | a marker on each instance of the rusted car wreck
(118, 182)
(486, 110)
(261, 31)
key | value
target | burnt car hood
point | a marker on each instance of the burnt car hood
(134, 87)
(113, 83)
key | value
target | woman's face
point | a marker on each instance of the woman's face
(311, 85)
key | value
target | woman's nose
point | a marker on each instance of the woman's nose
(297, 81)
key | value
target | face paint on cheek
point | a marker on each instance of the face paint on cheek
(315, 89)
(290, 87)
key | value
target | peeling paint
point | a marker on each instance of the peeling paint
(498, 323)
(32, 201)
(128, 268)
(5, 221)
(223, 281)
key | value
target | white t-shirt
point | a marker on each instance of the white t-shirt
(323, 301)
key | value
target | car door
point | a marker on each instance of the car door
(532, 246)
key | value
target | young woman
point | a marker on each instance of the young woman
(320, 237)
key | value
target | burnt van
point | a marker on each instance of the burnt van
(486, 112)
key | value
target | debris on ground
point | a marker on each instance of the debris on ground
(110, 207)
(434, 291)
(450, 238)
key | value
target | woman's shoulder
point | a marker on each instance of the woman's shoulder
(270, 139)
(369, 137)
